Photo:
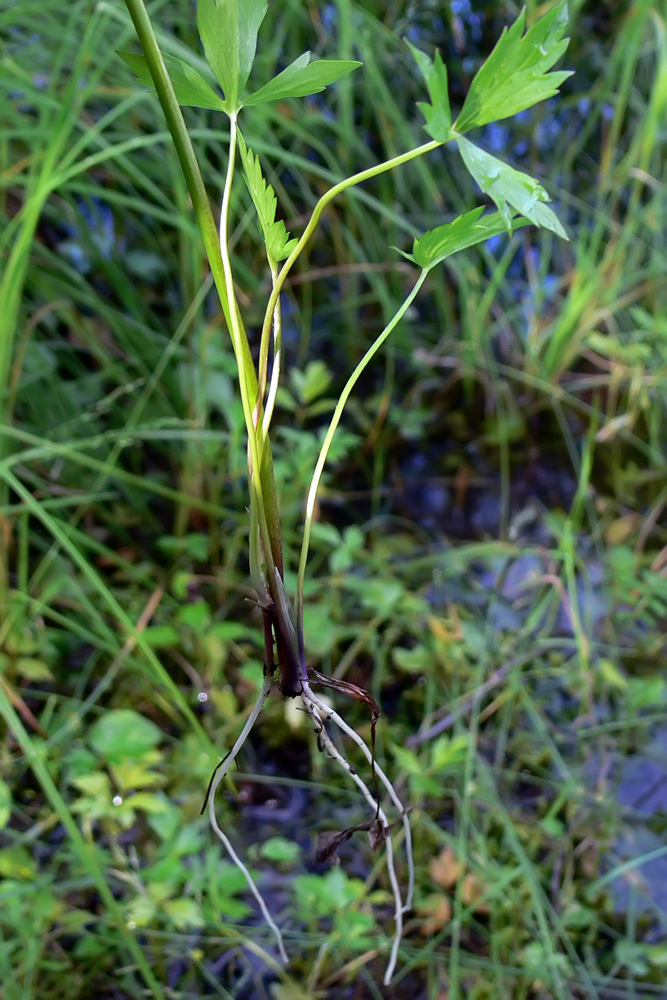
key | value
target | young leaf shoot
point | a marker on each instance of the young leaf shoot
(437, 114)
(275, 236)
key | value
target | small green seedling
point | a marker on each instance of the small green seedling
(514, 77)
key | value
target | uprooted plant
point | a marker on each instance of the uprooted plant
(514, 77)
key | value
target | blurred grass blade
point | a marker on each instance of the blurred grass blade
(100, 586)
(58, 119)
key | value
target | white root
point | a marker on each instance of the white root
(222, 771)
(320, 712)
(342, 724)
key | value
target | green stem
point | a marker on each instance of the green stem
(182, 144)
(263, 502)
(326, 444)
(261, 476)
(263, 365)
(255, 458)
(277, 358)
(195, 183)
(326, 198)
(236, 331)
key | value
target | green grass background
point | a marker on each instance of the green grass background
(535, 636)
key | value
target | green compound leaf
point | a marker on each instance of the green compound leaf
(515, 76)
(302, 78)
(274, 234)
(469, 229)
(228, 30)
(192, 91)
(509, 187)
(437, 114)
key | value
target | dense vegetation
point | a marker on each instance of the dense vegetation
(490, 550)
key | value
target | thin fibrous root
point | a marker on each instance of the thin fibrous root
(320, 713)
(329, 713)
(222, 771)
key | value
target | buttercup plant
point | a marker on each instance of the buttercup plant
(516, 76)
